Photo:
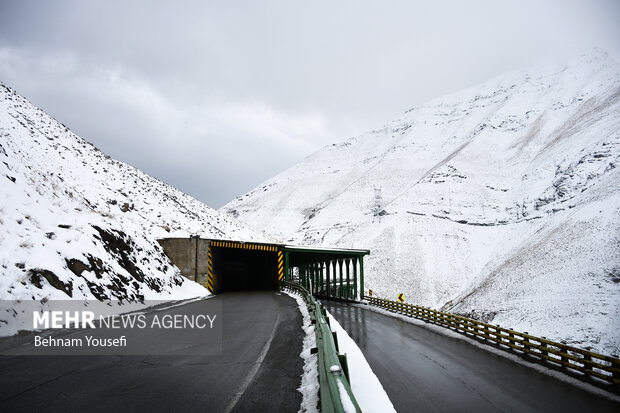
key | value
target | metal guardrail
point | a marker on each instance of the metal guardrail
(590, 364)
(335, 390)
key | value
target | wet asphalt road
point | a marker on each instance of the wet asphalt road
(256, 326)
(424, 371)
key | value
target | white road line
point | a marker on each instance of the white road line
(250, 377)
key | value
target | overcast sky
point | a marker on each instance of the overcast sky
(216, 97)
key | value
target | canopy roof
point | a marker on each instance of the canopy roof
(306, 255)
(301, 255)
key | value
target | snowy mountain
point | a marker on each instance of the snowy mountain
(501, 202)
(75, 223)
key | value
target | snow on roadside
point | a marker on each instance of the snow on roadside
(309, 387)
(368, 391)
(366, 387)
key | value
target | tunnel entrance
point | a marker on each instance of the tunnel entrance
(223, 266)
(243, 266)
(244, 269)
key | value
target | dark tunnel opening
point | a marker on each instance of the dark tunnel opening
(245, 270)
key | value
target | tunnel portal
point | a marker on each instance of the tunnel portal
(243, 269)
(223, 266)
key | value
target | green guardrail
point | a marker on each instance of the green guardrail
(335, 390)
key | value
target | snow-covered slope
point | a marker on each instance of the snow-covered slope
(75, 223)
(501, 202)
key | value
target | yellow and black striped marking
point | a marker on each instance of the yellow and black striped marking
(281, 265)
(210, 275)
(243, 245)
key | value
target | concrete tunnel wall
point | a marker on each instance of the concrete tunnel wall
(234, 269)
(182, 253)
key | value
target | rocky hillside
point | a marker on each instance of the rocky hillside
(501, 202)
(75, 223)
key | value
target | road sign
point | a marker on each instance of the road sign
(370, 293)
(401, 298)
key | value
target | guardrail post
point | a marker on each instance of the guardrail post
(345, 365)
(543, 348)
(335, 340)
(526, 344)
(587, 358)
(563, 355)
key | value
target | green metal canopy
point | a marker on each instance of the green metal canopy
(327, 272)
(299, 256)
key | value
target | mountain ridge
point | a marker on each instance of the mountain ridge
(77, 224)
(449, 194)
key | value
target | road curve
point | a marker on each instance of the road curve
(259, 370)
(422, 370)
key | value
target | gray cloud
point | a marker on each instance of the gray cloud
(215, 98)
